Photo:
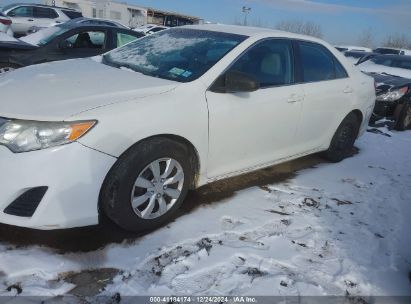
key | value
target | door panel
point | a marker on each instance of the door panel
(251, 129)
(328, 93)
(321, 111)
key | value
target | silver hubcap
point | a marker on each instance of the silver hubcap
(157, 188)
(6, 69)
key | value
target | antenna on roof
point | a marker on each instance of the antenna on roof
(53, 3)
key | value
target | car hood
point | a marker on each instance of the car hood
(371, 67)
(59, 90)
(385, 82)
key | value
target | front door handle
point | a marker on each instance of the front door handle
(30, 19)
(295, 98)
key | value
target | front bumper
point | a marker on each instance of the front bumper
(73, 174)
(385, 108)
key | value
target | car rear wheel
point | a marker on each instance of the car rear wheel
(7, 67)
(147, 185)
(404, 118)
(343, 140)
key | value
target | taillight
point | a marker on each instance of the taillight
(5, 21)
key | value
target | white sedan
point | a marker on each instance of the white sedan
(128, 135)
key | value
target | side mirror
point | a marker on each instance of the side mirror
(235, 82)
(65, 45)
(11, 14)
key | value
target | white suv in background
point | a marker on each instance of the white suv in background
(25, 16)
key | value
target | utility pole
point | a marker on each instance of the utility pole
(246, 11)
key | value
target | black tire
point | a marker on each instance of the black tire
(7, 67)
(115, 195)
(342, 143)
(404, 118)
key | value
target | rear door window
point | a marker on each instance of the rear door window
(44, 12)
(319, 64)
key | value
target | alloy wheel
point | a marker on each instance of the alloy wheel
(157, 188)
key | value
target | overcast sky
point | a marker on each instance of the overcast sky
(342, 21)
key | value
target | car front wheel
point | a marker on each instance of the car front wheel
(147, 185)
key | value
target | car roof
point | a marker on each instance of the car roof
(81, 19)
(250, 31)
(396, 57)
(6, 7)
(92, 26)
(357, 52)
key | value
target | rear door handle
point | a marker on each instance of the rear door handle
(30, 19)
(295, 98)
(348, 90)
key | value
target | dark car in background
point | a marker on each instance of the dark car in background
(65, 41)
(392, 75)
(356, 56)
(393, 100)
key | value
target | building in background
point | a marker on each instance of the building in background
(127, 14)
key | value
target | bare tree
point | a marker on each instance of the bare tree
(300, 27)
(366, 38)
(397, 41)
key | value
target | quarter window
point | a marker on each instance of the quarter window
(123, 39)
(318, 64)
(270, 62)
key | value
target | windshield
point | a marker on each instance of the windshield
(177, 54)
(44, 36)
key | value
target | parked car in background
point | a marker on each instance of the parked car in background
(392, 74)
(129, 135)
(62, 42)
(82, 20)
(398, 65)
(344, 48)
(391, 51)
(355, 56)
(149, 29)
(5, 25)
(25, 16)
(393, 100)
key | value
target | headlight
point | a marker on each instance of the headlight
(393, 95)
(23, 136)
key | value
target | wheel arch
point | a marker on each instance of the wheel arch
(191, 149)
